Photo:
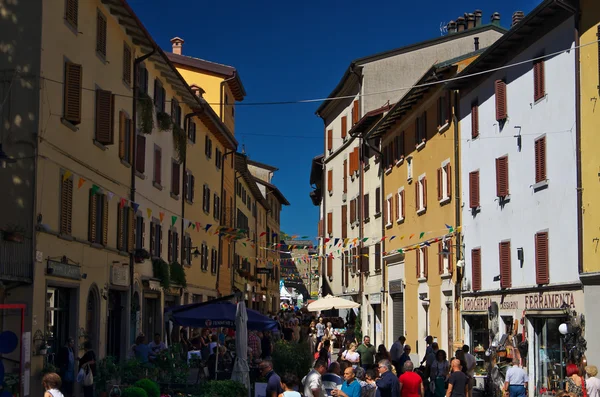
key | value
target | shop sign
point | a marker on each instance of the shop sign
(476, 304)
(120, 275)
(375, 299)
(65, 270)
(558, 300)
(154, 285)
(263, 270)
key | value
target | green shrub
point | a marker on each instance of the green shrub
(134, 392)
(293, 358)
(222, 388)
(133, 370)
(149, 386)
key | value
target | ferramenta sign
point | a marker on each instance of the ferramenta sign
(515, 302)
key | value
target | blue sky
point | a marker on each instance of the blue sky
(298, 50)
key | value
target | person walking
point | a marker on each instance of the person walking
(382, 354)
(274, 387)
(458, 383)
(439, 373)
(592, 384)
(350, 387)
(396, 351)
(515, 382)
(66, 365)
(320, 327)
(411, 383)
(367, 353)
(404, 357)
(470, 369)
(387, 384)
(332, 379)
(575, 383)
(313, 383)
(288, 383)
(88, 363)
(351, 355)
(428, 349)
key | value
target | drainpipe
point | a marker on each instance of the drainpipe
(224, 156)
(578, 143)
(457, 212)
(234, 209)
(222, 92)
(136, 69)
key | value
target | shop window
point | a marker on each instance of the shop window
(60, 324)
(479, 341)
(547, 357)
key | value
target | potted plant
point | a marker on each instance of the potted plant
(106, 371)
(49, 368)
(13, 233)
(140, 255)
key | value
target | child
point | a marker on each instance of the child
(288, 382)
(51, 383)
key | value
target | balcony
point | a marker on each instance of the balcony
(16, 260)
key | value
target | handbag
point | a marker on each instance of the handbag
(88, 379)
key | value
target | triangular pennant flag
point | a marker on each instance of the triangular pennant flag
(67, 175)
(411, 236)
(149, 212)
(94, 189)
(135, 206)
(383, 238)
(207, 227)
(244, 244)
(122, 202)
(427, 243)
(421, 235)
(262, 234)
(364, 240)
(161, 216)
(110, 195)
(198, 225)
(335, 241)
(393, 237)
(80, 183)
(173, 220)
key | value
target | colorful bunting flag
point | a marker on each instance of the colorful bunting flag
(110, 195)
(135, 206)
(421, 235)
(149, 212)
(122, 202)
(67, 175)
(80, 183)
(173, 220)
(94, 189)
(161, 216)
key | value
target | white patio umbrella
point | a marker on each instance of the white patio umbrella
(331, 302)
(241, 371)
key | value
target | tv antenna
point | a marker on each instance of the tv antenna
(443, 28)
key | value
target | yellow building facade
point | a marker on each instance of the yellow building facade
(418, 201)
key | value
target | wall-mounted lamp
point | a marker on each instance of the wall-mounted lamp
(520, 255)
(497, 278)
(518, 136)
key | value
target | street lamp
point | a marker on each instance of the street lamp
(564, 329)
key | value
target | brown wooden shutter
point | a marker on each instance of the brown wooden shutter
(330, 223)
(330, 181)
(344, 221)
(502, 176)
(170, 246)
(403, 206)
(424, 181)
(440, 184)
(72, 11)
(346, 176)
(185, 193)
(540, 159)
(378, 257)
(539, 80)
(101, 34)
(104, 107)
(104, 200)
(355, 113)
(417, 194)
(449, 179)
(344, 126)
(440, 257)
(364, 259)
(120, 227)
(330, 140)
(366, 206)
(140, 160)
(378, 200)
(352, 210)
(397, 205)
(505, 270)
(542, 270)
(72, 92)
(386, 215)
(401, 145)
(175, 183)
(66, 206)
(418, 258)
(476, 269)
(500, 90)
(320, 227)
(474, 189)
(126, 64)
(92, 224)
(130, 229)
(157, 165)
(329, 267)
(474, 121)
(122, 134)
(426, 261)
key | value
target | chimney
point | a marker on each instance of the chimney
(177, 45)
(495, 19)
(517, 17)
(478, 15)
(476, 40)
(451, 27)
(470, 21)
(460, 24)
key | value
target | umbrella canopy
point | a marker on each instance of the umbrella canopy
(241, 371)
(331, 302)
(219, 314)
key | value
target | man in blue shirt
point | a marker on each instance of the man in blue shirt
(332, 379)
(387, 384)
(350, 387)
(273, 380)
(516, 381)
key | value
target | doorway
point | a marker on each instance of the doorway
(92, 318)
(116, 313)
(61, 309)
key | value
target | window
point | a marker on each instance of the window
(505, 271)
(474, 120)
(399, 149)
(474, 190)
(344, 126)
(140, 232)
(98, 218)
(378, 257)
(421, 195)
(400, 205)
(71, 11)
(345, 176)
(186, 257)
(542, 270)
(330, 223)
(355, 112)
(125, 227)
(175, 175)
(366, 206)
(330, 182)
(330, 140)
(540, 160)
(213, 261)
(142, 79)
(159, 96)
(444, 182)
(500, 91)
(72, 91)
(502, 176)
(539, 80)
(409, 169)
(208, 146)
(126, 64)
(445, 257)
(157, 165)
(363, 259)
(388, 211)
(66, 204)
(204, 257)
(218, 158)
(188, 186)
(330, 267)
(216, 207)
(422, 264)
(476, 269)
(175, 112)
(206, 199)
(443, 110)
(377, 201)
(344, 221)
(192, 131)
(126, 136)
(353, 212)
(105, 102)
(173, 246)
(421, 129)
(101, 34)
(140, 158)
(242, 222)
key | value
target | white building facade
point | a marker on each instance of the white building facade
(518, 182)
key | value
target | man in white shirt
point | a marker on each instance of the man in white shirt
(592, 383)
(516, 381)
(471, 363)
(320, 330)
(313, 384)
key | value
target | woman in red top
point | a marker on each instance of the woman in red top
(411, 384)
